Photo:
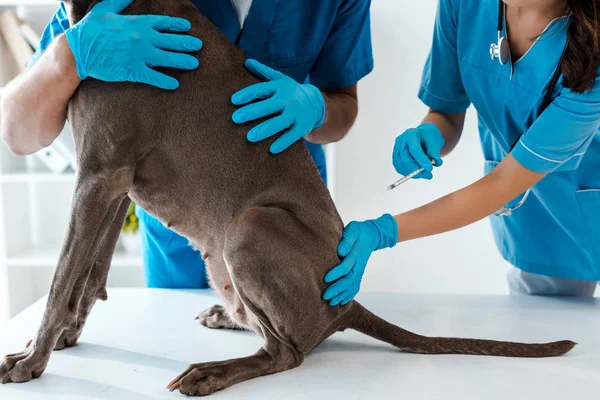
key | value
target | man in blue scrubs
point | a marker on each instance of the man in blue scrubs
(312, 53)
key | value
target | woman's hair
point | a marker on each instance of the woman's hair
(582, 55)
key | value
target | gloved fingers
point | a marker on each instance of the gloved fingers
(258, 110)
(270, 127)
(337, 300)
(262, 71)
(405, 163)
(398, 156)
(415, 165)
(339, 290)
(433, 149)
(161, 58)
(418, 154)
(351, 296)
(352, 265)
(154, 78)
(164, 23)
(436, 157)
(254, 92)
(173, 42)
(115, 6)
(288, 138)
(427, 175)
(349, 237)
(339, 271)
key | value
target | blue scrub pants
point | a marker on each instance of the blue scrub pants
(169, 260)
(525, 283)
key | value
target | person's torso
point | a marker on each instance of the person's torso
(507, 97)
(557, 225)
(285, 35)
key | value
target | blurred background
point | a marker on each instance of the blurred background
(35, 191)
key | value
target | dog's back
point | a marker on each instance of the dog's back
(188, 153)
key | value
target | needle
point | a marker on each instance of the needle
(407, 177)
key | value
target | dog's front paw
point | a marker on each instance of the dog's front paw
(216, 317)
(21, 367)
(201, 380)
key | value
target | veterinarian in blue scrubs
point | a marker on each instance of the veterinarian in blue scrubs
(311, 52)
(542, 159)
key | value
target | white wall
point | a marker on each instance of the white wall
(4, 311)
(465, 261)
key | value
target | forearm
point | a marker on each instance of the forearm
(468, 205)
(451, 126)
(342, 109)
(34, 105)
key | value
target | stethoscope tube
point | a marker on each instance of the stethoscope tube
(501, 50)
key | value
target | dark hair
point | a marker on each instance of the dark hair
(582, 55)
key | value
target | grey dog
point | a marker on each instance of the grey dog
(266, 224)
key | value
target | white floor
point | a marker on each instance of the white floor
(140, 339)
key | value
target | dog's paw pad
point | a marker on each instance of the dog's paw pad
(200, 381)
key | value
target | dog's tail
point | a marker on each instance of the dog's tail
(362, 320)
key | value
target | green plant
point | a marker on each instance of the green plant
(132, 224)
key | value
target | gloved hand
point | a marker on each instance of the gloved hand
(292, 107)
(118, 48)
(359, 241)
(415, 149)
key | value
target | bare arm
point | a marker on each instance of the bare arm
(34, 105)
(451, 126)
(470, 204)
(342, 109)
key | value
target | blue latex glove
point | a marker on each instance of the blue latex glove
(415, 149)
(119, 48)
(295, 109)
(359, 241)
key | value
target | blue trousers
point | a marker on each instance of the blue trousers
(169, 260)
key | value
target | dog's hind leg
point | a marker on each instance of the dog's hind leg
(98, 195)
(207, 378)
(266, 250)
(95, 287)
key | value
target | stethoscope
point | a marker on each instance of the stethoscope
(501, 51)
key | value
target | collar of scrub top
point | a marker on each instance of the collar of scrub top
(503, 37)
(242, 8)
(256, 28)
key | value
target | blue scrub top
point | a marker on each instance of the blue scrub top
(557, 230)
(326, 43)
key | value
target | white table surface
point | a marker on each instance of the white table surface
(140, 339)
